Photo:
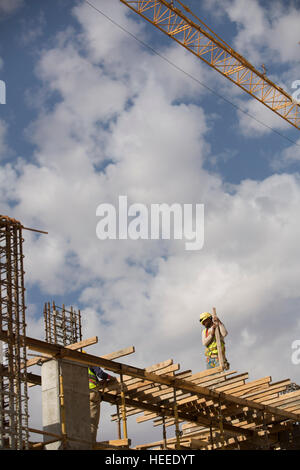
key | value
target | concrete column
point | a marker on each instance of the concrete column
(76, 404)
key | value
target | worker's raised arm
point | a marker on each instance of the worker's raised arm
(217, 322)
(223, 330)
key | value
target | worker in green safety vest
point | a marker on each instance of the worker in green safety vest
(98, 379)
(209, 340)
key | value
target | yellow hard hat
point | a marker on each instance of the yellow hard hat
(204, 316)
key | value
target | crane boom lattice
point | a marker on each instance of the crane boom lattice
(199, 39)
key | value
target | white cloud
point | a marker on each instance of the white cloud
(258, 120)
(10, 6)
(287, 157)
(32, 29)
(263, 31)
(268, 36)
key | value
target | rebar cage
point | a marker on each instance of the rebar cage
(62, 326)
(13, 374)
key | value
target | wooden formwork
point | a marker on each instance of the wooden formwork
(229, 411)
(211, 409)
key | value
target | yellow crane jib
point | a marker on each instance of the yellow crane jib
(198, 38)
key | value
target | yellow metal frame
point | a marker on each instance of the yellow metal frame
(199, 39)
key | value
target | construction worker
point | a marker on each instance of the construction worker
(209, 340)
(98, 379)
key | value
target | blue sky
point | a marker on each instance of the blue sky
(91, 114)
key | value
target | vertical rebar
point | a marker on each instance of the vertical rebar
(45, 322)
(25, 418)
(124, 418)
(79, 326)
(211, 437)
(177, 430)
(164, 433)
(13, 381)
(119, 422)
(62, 407)
(221, 423)
(62, 326)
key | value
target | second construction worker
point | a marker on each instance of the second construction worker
(97, 380)
(209, 340)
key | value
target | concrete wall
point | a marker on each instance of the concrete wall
(76, 399)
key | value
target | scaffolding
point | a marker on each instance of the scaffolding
(13, 376)
(62, 326)
(211, 409)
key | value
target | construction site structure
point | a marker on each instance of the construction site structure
(62, 326)
(211, 409)
(13, 379)
(193, 34)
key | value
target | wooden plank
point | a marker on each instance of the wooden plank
(208, 372)
(294, 408)
(129, 380)
(278, 386)
(116, 442)
(251, 385)
(163, 391)
(196, 443)
(161, 372)
(229, 388)
(120, 353)
(74, 346)
(265, 395)
(266, 399)
(166, 395)
(190, 425)
(158, 390)
(195, 397)
(262, 391)
(187, 400)
(184, 441)
(170, 412)
(140, 384)
(149, 416)
(131, 390)
(31, 378)
(162, 402)
(45, 433)
(101, 446)
(283, 399)
(159, 421)
(218, 340)
(290, 402)
(88, 359)
(212, 378)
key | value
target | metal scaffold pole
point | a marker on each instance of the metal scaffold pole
(13, 375)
